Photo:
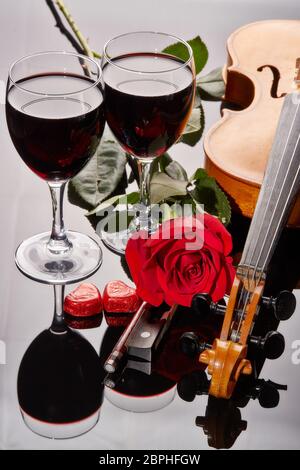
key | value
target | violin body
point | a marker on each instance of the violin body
(258, 75)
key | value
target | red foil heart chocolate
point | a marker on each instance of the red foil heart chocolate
(84, 323)
(120, 302)
(84, 301)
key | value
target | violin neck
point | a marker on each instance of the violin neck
(280, 186)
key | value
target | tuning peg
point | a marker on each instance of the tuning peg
(203, 306)
(193, 384)
(272, 345)
(283, 305)
(191, 346)
(267, 393)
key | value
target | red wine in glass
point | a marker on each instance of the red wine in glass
(147, 113)
(56, 134)
(149, 96)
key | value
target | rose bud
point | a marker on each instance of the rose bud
(83, 307)
(120, 302)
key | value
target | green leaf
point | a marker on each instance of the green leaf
(194, 128)
(165, 164)
(211, 87)
(100, 177)
(160, 163)
(205, 190)
(128, 199)
(199, 50)
(163, 187)
(199, 174)
(197, 99)
(176, 171)
(171, 211)
(134, 175)
(164, 161)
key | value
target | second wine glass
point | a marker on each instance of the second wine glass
(149, 95)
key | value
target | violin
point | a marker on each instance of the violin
(258, 75)
(227, 358)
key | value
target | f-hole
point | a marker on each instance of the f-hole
(276, 78)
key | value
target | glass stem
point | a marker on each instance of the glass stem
(58, 242)
(58, 323)
(145, 220)
(145, 175)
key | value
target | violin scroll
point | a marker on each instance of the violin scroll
(226, 361)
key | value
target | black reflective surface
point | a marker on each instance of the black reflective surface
(26, 307)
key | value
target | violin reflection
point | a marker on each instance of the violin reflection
(223, 423)
(146, 379)
(60, 389)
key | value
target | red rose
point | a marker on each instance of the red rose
(184, 257)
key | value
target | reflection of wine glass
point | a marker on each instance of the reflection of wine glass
(148, 98)
(55, 116)
(60, 387)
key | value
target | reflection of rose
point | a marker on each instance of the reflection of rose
(175, 268)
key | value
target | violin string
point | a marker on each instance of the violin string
(283, 212)
(273, 186)
(243, 299)
(245, 295)
(276, 206)
(241, 302)
(280, 219)
(279, 222)
(246, 300)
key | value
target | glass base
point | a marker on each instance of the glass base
(140, 404)
(35, 260)
(60, 430)
(116, 241)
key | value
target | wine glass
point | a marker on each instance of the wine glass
(149, 95)
(55, 117)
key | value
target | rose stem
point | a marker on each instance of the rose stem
(65, 32)
(62, 28)
(75, 28)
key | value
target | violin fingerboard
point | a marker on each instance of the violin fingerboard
(280, 186)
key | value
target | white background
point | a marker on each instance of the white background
(26, 308)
